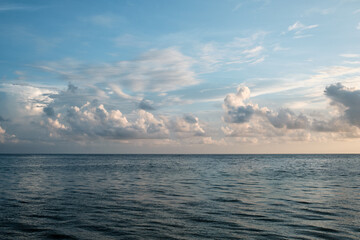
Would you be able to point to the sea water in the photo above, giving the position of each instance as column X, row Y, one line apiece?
column 179, row 196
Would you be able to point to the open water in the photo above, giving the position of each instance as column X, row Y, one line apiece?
column 179, row 196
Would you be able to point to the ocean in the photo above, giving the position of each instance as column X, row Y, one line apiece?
column 179, row 196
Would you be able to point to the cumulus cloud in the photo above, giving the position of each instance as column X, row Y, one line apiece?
column 146, row 105
column 31, row 99
column 66, row 118
column 288, row 119
column 248, row 123
column 187, row 126
column 94, row 120
column 236, row 110
column 76, row 113
column 348, row 100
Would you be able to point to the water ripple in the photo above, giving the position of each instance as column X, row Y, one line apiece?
column 179, row 196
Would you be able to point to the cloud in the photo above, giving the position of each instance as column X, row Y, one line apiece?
column 129, row 40
column 350, row 55
column 154, row 71
column 146, row 105
column 4, row 137
column 104, row 20
column 49, row 111
column 93, row 120
column 358, row 26
column 298, row 28
column 17, row 7
column 187, row 126
column 348, row 100
column 249, row 123
column 236, row 110
column 120, row 92
column 30, row 100
column 215, row 56
column 253, row 51
column 285, row 118
column 76, row 114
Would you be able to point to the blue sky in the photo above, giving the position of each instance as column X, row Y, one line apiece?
column 180, row 76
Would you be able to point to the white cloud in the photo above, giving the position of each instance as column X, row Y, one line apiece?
column 31, row 99
column 128, row 40
column 17, row 7
column 154, row 71
column 253, row 52
column 278, row 48
column 350, row 55
column 215, row 56
column 236, row 109
column 120, row 92
column 92, row 120
column 187, row 126
column 298, row 28
column 248, row 123
column 104, row 20
column 352, row 62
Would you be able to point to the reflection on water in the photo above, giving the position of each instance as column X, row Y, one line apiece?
column 179, row 196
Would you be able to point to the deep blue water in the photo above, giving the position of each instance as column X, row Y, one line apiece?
column 179, row 196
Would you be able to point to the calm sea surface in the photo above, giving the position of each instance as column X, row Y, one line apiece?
column 179, row 196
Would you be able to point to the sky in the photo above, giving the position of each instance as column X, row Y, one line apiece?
column 197, row 76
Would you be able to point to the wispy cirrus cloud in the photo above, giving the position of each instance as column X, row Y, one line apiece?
column 350, row 55
column 300, row 29
column 217, row 56
column 107, row 20
column 127, row 40
column 157, row 70
column 17, row 7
